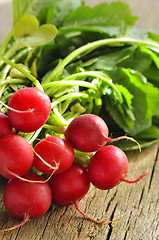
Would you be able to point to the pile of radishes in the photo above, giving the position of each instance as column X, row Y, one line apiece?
column 64, row 182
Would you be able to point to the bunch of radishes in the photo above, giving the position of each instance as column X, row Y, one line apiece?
column 28, row 195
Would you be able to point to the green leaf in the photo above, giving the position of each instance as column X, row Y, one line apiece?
column 111, row 59
column 152, row 74
column 33, row 7
column 139, row 60
column 153, row 36
column 103, row 14
column 131, row 66
column 122, row 113
column 150, row 133
column 37, row 5
column 155, row 58
column 62, row 9
column 126, row 95
column 26, row 25
column 43, row 35
column 129, row 145
column 145, row 100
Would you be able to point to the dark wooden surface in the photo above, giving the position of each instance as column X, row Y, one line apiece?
column 140, row 200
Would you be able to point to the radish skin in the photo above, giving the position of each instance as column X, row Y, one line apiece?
column 5, row 126
column 89, row 132
column 16, row 156
column 70, row 186
column 54, row 151
column 108, row 167
column 25, row 200
column 28, row 109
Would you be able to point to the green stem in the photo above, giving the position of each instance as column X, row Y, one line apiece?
column 90, row 47
column 4, row 72
column 27, row 74
column 12, row 50
column 60, row 117
column 7, row 67
column 53, row 128
column 69, row 83
column 34, row 135
column 14, row 81
column 65, row 105
column 97, row 75
column 20, row 54
column 68, row 96
column 1, row 91
column 3, row 46
column 7, row 96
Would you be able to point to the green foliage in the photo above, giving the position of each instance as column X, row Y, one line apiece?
column 101, row 15
column 26, row 25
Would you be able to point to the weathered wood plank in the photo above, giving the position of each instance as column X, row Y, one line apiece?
column 140, row 200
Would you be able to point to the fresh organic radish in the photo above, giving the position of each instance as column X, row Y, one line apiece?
column 28, row 109
column 108, row 167
column 5, row 126
column 16, row 156
column 70, row 186
column 53, row 150
column 88, row 133
column 25, row 200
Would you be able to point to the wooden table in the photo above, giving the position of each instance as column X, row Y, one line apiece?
column 140, row 200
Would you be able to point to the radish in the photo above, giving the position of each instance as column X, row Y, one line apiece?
column 28, row 109
column 16, row 156
column 53, row 150
column 5, row 126
column 70, row 186
column 25, row 200
column 88, row 133
column 108, row 167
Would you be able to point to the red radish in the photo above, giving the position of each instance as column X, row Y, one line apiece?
column 88, row 133
column 53, row 150
column 5, row 126
column 28, row 109
column 108, row 167
column 16, row 156
column 70, row 186
column 25, row 200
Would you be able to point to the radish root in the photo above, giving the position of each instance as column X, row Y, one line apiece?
column 15, row 110
column 136, row 180
column 26, row 219
column 123, row 137
column 31, row 181
column 95, row 219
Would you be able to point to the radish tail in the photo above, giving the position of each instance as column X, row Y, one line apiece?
column 136, row 180
column 26, row 219
column 15, row 110
column 123, row 137
column 95, row 219
column 31, row 181
column 46, row 163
